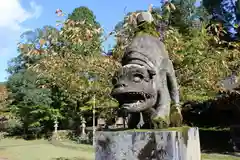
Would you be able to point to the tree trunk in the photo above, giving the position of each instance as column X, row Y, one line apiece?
column 170, row 144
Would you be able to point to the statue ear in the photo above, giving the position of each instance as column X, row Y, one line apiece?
column 151, row 73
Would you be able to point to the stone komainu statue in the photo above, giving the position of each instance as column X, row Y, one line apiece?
column 146, row 84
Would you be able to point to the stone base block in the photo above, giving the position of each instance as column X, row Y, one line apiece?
column 170, row 144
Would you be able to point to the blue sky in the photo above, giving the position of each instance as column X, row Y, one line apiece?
column 17, row 16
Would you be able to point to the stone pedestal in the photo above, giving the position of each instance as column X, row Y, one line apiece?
column 170, row 144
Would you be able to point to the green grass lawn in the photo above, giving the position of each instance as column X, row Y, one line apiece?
column 219, row 157
column 18, row 149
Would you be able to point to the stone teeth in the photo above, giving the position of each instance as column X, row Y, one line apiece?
column 136, row 103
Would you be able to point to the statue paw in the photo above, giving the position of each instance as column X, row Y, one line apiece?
column 159, row 122
column 176, row 118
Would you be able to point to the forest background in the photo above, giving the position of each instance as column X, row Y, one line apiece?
column 61, row 73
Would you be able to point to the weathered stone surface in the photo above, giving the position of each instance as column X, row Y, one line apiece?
column 174, row 144
column 146, row 83
column 144, row 17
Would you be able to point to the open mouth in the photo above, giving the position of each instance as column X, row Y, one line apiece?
column 132, row 99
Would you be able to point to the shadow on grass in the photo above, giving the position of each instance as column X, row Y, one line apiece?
column 57, row 143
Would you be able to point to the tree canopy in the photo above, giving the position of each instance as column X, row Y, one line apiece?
column 58, row 72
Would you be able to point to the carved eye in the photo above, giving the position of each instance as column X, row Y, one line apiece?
column 138, row 77
column 114, row 81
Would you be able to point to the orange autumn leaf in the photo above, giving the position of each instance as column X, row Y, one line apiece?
column 42, row 42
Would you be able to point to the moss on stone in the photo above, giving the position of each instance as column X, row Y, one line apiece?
column 183, row 130
column 175, row 116
column 178, row 129
column 185, row 134
column 146, row 28
column 160, row 122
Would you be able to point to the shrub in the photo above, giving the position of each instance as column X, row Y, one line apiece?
column 14, row 127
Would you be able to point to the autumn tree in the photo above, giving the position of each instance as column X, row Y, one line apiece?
column 84, row 14
column 30, row 97
column 3, row 99
column 78, row 73
column 227, row 14
column 183, row 15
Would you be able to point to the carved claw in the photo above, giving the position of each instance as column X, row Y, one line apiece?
column 160, row 123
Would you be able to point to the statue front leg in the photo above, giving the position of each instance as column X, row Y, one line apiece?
column 147, row 118
column 176, row 118
column 133, row 120
column 161, row 118
column 175, row 113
